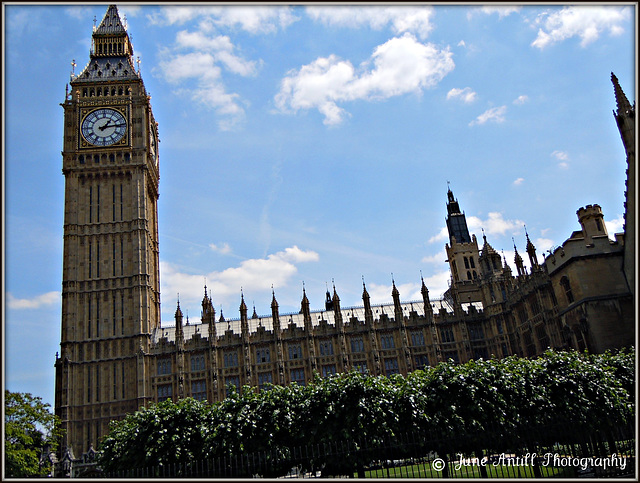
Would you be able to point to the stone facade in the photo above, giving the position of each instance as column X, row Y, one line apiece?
column 116, row 357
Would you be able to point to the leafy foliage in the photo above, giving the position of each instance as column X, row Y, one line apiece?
column 29, row 428
column 508, row 398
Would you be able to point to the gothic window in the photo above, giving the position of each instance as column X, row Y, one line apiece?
column 530, row 346
column 89, row 384
column 566, row 285
column 468, row 275
column 97, row 383
column 199, row 390
column 361, row 367
column 391, row 366
column 295, row 351
column 114, row 313
column 297, row 376
column 263, row 355
column 475, row 275
column 197, row 363
column 164, row 392
column 466, row 262
column 164, row 366
column 264, row 378
column 328, row 370
column 387, row 342
column 453, row 355
column 326, row 348
column 115, row 386
column 232, row 383
column 542, row 336
column 446, row 334
column 598, row 224
column 480, row 353
column 231, row 359
column 357, row 344
column 421, row 361
column 476, row 332
column 499, row 326
column 473, row 264
column 417, row 339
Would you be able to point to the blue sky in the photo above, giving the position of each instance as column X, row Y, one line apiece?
column 315, row 145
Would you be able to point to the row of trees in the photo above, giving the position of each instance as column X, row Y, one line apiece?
column 509, row 397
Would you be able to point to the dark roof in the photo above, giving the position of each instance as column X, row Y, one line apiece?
column 111, row 23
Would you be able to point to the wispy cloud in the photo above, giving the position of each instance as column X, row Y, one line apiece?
column 49, row 298
column 521, row 100
column 561, row 156
column 495, row 224
column 400, row 66
column 495, row 114
column 466, row 95
column 199, row 58
column 518, row 181
column 416, row 20
column 253, row 276
column 252, row 19
column 614, row 226
column 222, row 248
column 585, row 22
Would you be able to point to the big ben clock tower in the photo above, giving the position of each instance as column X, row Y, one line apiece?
column 110, row 278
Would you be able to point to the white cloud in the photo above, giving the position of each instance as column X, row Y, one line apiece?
column 521, row 100
column 223, row 248
column 467, row 95
column 563, row 157
column 416, row 20
column 199, row 72
column 439, row 257
column 614, row 226
column 518, row 181
column 495, row 114
column 585, row 22
column 500, row 10
column 442, row 235
column 252, row 19
column 381, row 294
column 49, row 298
column 495, row 224
column 401, row 65
column 253, row 276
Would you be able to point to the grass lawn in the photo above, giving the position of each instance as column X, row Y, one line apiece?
column 424, row 470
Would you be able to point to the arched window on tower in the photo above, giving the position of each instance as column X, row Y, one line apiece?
column 468, row 274
column 566, row 286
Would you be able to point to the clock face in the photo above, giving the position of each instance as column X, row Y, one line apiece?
column 104, row 127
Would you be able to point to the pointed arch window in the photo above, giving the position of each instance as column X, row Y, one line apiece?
column 566, row 286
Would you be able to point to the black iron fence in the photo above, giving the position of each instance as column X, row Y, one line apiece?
column 558, row 452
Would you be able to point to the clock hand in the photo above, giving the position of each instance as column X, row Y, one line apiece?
column 105, row 126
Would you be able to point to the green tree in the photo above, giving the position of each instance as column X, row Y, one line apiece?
column 163, row 434
column 29, row 428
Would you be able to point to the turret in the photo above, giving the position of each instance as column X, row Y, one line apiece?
column 397, row 308
column 531, row 251
column 179, row 330
column 428, row 310
column 592, row 222
column 275, row 314
column 244, row 321
column 518, row 261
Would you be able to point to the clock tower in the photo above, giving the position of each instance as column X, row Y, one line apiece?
column 110, row 277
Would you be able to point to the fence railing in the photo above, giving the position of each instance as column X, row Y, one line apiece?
column 557, row 452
